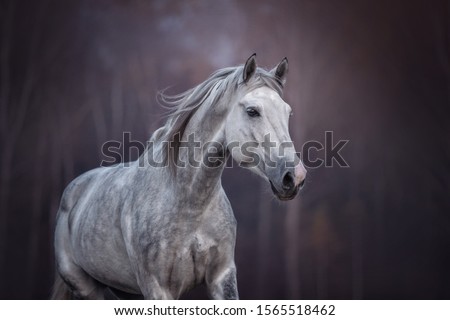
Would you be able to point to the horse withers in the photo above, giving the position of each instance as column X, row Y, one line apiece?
column 163, row 224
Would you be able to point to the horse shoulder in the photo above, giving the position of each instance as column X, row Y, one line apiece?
column 75, row 189
column 225, row 207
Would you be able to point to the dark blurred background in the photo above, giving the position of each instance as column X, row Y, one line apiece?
column 75, row 74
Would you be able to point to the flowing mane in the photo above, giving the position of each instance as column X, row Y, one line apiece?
column 184, row 105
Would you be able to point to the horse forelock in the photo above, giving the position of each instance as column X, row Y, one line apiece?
column 222, row 84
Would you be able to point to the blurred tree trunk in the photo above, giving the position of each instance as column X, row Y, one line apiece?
column 14, row 110
column 320, row 237
column 297, row 125
column 37, row 200
column 264, row 240
column 357, row 212
column 6, row 154
column 292, row 253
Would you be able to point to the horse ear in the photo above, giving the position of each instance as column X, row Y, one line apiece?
column 280, row 71
column 249, row 68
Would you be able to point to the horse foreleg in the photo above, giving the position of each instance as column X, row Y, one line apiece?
column 152, row 290
column 223, row 285
column 80, row 283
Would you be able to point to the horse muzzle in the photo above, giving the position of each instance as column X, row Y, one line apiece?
column 291, row 181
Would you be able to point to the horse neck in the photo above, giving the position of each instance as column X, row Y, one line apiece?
column 202, row 179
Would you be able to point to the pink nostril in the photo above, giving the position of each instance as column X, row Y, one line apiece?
column 300, row 174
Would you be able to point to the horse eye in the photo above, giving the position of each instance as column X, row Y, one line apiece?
column 252, row 112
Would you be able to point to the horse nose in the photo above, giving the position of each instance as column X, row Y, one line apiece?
column 302, row 183
column 288, row 181
column 300, row 175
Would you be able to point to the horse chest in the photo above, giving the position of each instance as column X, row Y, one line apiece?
column 193, row 256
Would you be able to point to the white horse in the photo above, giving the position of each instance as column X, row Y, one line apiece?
column 161, row 225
